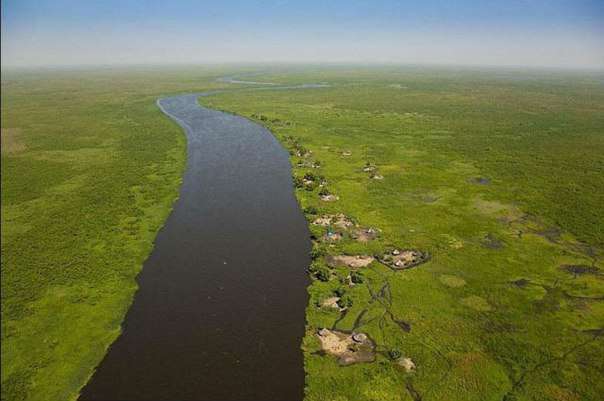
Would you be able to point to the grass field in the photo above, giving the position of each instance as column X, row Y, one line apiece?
column 499, row 176
column 90, row 169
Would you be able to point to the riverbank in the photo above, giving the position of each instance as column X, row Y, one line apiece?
column 229, row 262
column 94, row 172
column 414, row 159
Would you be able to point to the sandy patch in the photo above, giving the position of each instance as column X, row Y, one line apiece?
column 339, row 220
column 348, row 348
column 332, row 302
column 407, row 364
column 356, row 261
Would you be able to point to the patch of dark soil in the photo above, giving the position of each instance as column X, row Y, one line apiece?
column 480, row 181
column 578, row 270
column 521, row 283
column 552, row 234
column 490, row 241
column 595, row 332
column 403, row 259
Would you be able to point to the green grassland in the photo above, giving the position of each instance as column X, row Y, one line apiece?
column 499, row 175
column 90, row 169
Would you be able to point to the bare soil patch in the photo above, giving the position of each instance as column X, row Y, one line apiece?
column 332, row 302
column 521, row 282
column 365, row 234
column 480, row 181
column 349, row 348
column 340, row 224
column 339, row 220
column 407, row 364
column 404, row 259
column 354, row 262
column 578, row 270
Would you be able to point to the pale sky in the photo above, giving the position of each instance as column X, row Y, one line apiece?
column 553, row 33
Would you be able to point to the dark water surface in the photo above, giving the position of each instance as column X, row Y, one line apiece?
column 219, row 314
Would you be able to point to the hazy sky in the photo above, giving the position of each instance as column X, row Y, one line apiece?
column 567, row 33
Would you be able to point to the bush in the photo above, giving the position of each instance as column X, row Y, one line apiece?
column 356, row 277
column 345, row 301
column 324, row 192
column 340, row 291
column 298, row 183
column 311, row 210
column 310, row 176
column 316, row 252
column 394, row 354
column 321, row 273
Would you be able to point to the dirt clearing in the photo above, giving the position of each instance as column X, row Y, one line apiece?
column 348, row 348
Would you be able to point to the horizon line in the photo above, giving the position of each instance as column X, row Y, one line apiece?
column 315, row 63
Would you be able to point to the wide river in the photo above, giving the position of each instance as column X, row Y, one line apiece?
column 220, row 309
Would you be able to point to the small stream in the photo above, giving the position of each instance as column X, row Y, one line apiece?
column 220, row 309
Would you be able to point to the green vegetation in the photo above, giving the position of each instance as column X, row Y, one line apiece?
column 499, row 176
column 90, row 169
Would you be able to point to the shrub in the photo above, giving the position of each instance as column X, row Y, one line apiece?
column 345, row 301
column 394, row 354
column 316, row 252
column 298, row 183
column 356, row 277
column 311, row 210
column 340, row 291
column 320, row 272
column 324, row 192
column 310, row 176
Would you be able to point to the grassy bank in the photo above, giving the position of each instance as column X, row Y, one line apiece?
column 90, row 170
column 498, row 176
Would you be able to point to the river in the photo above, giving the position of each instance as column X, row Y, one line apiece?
column 220, row 309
